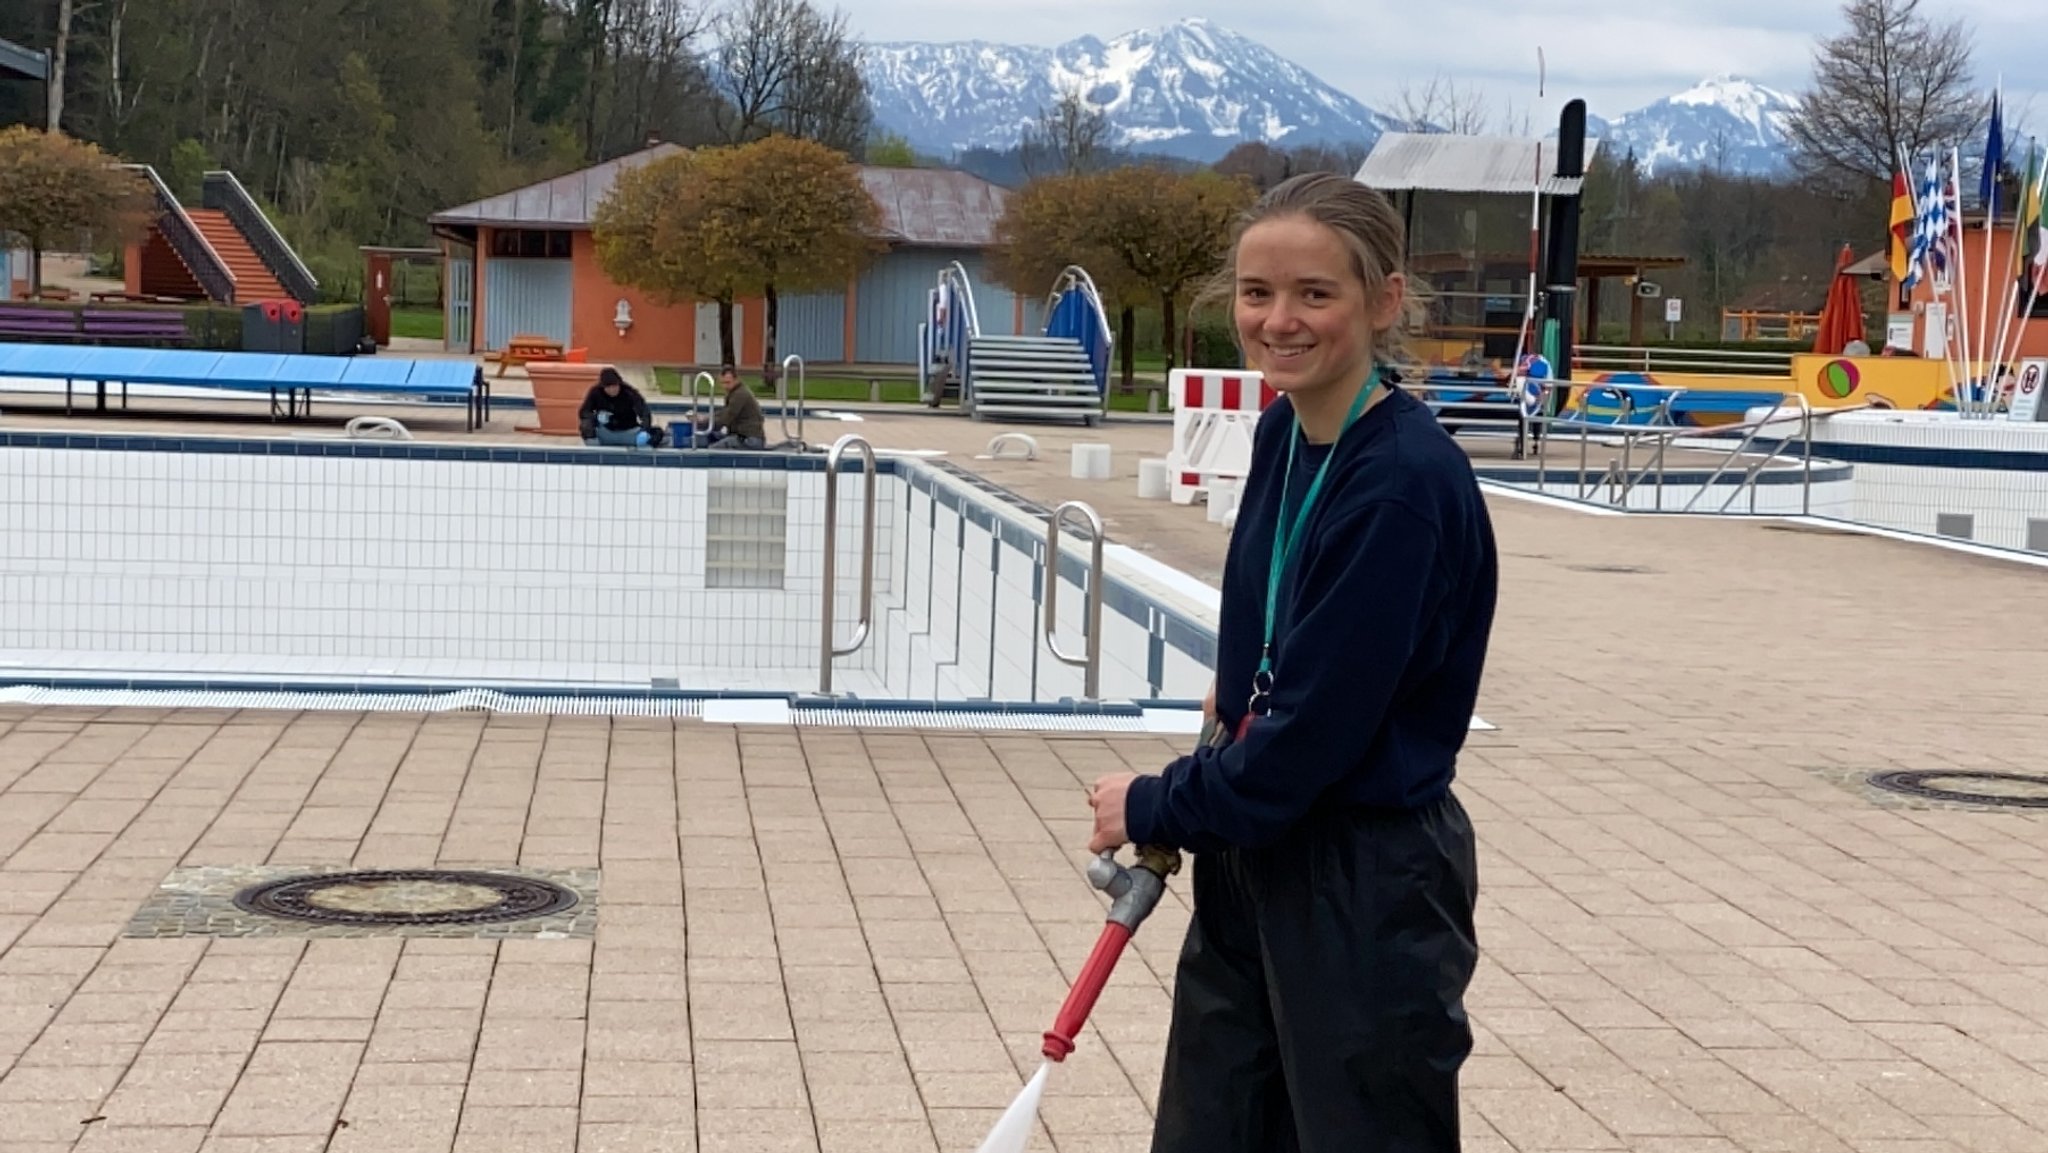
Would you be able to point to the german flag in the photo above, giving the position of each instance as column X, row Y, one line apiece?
column 1902, row 227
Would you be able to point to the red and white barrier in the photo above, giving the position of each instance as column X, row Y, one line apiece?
column 1215, row 415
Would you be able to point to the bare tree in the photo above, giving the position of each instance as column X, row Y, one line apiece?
column 1893, row 81
column 783, row 66
column 1441, row 107
column 1069, row 138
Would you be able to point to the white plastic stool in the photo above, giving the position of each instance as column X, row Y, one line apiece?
column 1223, row 496
column 1154, row 480
column 1091, row 462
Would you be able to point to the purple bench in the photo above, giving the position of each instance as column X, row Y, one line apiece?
column 127, row 324
column 38, row 322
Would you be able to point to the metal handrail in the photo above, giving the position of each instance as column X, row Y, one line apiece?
column 284, row 246
column 782, row 397
column 1091, row 662
column 710, row 393
column 169, row 202
column 826, row 649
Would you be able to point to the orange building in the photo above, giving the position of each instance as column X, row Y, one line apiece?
column 1968, row 302
column 525, row 262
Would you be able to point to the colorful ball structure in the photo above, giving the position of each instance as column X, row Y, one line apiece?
column 1839, row 378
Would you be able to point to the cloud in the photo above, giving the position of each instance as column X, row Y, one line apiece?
column 1617, row 57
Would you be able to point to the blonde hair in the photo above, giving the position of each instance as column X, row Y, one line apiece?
column 1368, row 225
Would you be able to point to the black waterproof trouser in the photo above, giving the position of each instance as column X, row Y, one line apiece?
column 1319, row 1001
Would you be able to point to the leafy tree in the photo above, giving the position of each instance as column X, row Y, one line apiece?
column 52, row 186
column 890, row 150
column 791, row 215
column 1893, row 81
column 1168, row 231
column 656, row 231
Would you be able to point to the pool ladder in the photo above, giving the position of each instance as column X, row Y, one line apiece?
column 1090, row 661
column 827, row 650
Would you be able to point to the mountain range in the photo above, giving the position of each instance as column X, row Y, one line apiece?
column 1194, row 89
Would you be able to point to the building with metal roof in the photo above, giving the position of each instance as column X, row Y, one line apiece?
column 524, row 262
column 1480, row 296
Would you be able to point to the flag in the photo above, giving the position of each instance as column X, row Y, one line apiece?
column 1994, row 159
column 1902, row 219
column 2031, row 255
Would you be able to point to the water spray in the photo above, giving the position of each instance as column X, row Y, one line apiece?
column 1134, row 891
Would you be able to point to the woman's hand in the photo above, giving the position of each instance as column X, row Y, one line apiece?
column 1107, row 799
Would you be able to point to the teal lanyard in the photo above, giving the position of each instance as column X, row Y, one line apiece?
column 1286, row 537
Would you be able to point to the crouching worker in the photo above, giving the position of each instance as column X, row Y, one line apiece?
column 739, row 422
column 614, row 413
column 1318, row 1006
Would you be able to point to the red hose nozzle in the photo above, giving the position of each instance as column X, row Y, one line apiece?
column 1059, row 1041
column 1134, row 893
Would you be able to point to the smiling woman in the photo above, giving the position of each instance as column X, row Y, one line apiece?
column 1319, row 1000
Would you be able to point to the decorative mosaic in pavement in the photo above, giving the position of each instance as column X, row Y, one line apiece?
column 337, row 901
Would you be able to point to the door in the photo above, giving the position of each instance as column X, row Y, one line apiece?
column 377, row 296
column 526, row 296
column 709, row 351
column 457, row 294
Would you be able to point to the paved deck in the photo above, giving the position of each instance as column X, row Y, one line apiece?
column 1704, row 933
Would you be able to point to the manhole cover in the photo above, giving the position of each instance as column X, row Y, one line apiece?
column 2011, row 790
column 406, row 897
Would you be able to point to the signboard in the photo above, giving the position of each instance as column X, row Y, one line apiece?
column 2026, row 394
column 1674, row 310
column 1934, row 331
column 1898, row 331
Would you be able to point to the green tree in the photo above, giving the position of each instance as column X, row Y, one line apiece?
column 53, row 187
column 1168, row 231
column 656, row 231
column 792, row 215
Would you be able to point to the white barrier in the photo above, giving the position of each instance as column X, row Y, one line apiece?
column 1215, row 414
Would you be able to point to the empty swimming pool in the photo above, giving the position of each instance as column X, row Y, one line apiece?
column 323, row 563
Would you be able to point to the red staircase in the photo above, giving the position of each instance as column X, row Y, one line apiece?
column 253, row 279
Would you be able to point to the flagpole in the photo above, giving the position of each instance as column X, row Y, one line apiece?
column 2010, row 296
column 1994, row 149
column 1959, row 277
column 2039, row 264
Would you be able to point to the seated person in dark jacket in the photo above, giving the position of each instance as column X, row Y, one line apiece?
column 739, row 422
column 614, row 413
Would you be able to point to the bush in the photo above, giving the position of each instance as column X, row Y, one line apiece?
column 1213, row 346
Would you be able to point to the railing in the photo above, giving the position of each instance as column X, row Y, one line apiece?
column 1717, row 361
column 222, row 192
column 951, row 324
column 188, row 242
column 1090, row 662
column 826, row 649
column 1072, row 322
column 709, row 404
column 782, row 399
column 1620, row 478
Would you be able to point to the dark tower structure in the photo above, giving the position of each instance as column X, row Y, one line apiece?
column 1561, row 261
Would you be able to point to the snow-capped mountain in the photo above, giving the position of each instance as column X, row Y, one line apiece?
column 1725, row 122
column 1191, row 88
column 1195, row 89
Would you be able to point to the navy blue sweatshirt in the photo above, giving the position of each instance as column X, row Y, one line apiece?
column 1380, row 637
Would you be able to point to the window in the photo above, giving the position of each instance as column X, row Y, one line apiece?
column 530, row 242
column 746, row 527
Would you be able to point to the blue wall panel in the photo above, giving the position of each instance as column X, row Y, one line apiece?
column 813, row 326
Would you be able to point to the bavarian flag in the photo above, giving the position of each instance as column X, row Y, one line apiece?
column 1902, row 226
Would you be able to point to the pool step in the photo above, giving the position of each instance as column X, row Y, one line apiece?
column 1035, row 377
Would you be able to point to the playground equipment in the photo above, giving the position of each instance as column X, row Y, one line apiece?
column 1060, row 374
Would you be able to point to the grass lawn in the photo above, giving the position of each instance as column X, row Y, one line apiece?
column 418, row 323
column 845, row 390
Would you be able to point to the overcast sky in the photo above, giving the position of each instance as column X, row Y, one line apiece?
column 1616, row 54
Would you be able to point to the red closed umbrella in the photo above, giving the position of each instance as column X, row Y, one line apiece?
column 1841, row 318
